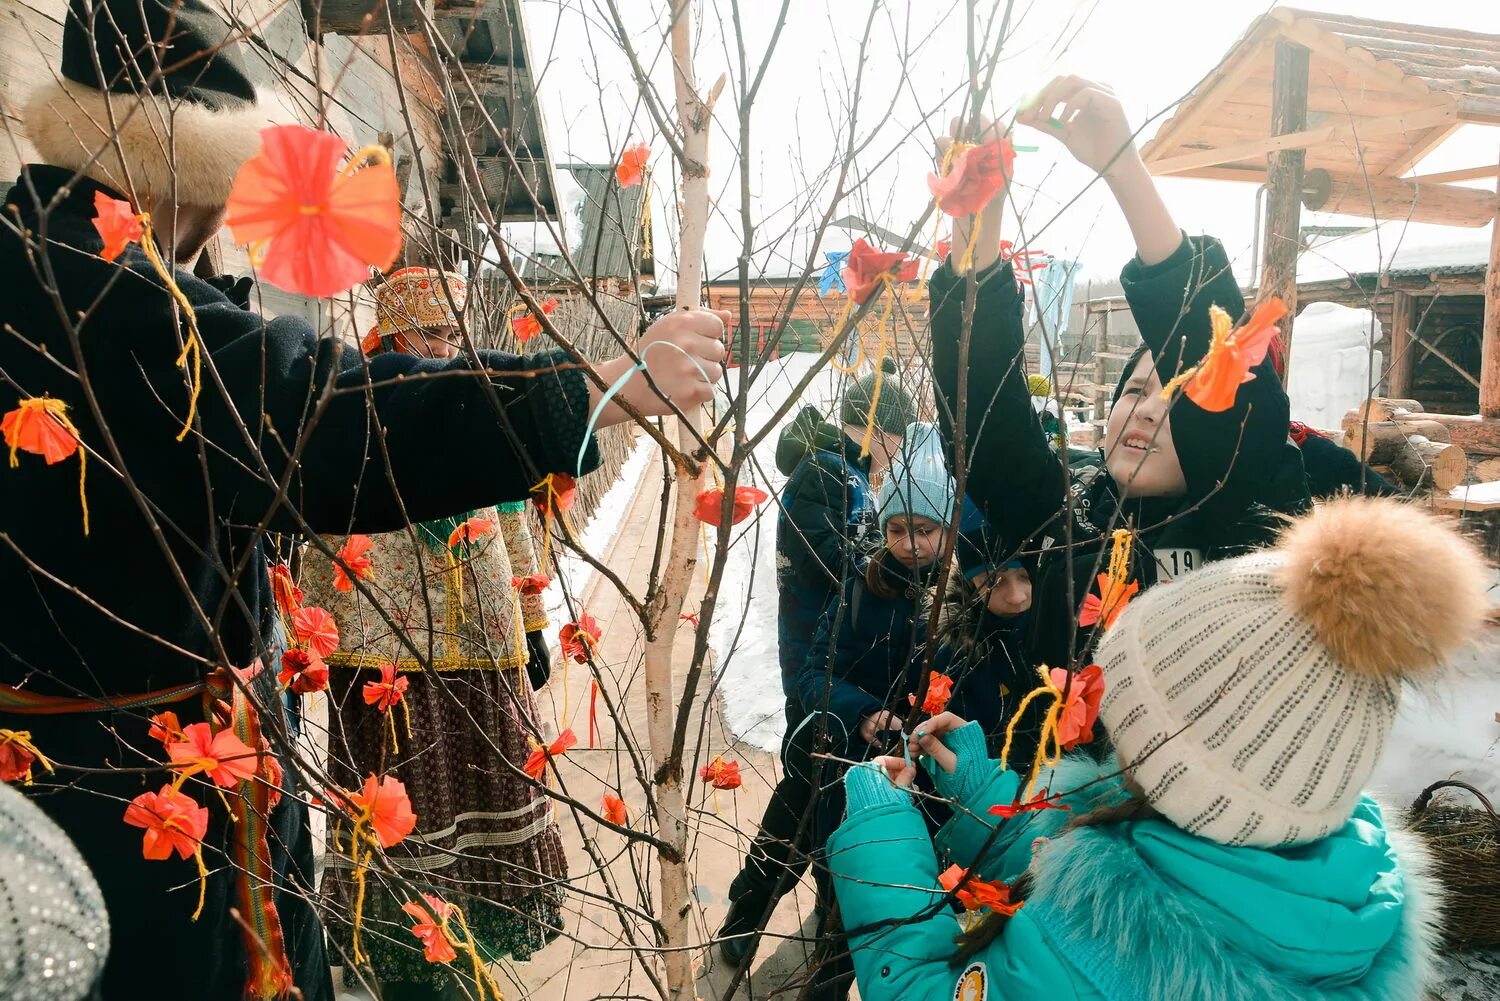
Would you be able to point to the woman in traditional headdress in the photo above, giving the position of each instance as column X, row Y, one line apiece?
column 430, row 684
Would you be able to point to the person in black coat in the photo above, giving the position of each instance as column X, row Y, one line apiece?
column 1185, row 482
column 293, row 434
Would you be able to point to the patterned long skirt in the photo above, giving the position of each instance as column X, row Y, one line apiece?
column 486, row 838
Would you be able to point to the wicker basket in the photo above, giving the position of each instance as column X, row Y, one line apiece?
column 1465, row 844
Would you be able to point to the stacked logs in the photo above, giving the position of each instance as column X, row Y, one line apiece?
column 1403, row 442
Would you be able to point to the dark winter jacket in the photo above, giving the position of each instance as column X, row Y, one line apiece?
column 293, row 434
column 983, row 654
column 1333, row 470
column 827, row 511
column 1021, row 485
column 868, row 648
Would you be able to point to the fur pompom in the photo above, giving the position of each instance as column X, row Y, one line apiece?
column 1390, row 589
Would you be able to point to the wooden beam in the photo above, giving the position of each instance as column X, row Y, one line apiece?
column 1283, row 225
column 1360, row 61
column 1465, row 174
column 1386, row 198
column 1252, row 175
column 1406, row 121
column 1489, row 364
column 1398, row 379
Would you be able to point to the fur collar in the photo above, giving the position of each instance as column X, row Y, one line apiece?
column 1099, row 893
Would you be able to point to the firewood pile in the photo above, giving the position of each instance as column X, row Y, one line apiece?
column 1422, row 450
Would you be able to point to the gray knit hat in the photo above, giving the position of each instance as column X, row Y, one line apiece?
column 893, row 410
column 1250, row 699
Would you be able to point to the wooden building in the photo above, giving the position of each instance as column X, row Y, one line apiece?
column 780, row 324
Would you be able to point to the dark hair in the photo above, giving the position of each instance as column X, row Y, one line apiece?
column 979, row 937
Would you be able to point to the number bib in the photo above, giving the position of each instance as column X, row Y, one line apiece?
column 1173, row 562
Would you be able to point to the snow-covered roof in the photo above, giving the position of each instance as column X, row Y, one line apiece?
column 1395, row 247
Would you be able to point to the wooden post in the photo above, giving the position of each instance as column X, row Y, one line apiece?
column 1489, row 365
column 1398, row 382
column 1283, row 222
column 1101, row 373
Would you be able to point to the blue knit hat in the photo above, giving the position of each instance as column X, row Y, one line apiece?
column 918, row 483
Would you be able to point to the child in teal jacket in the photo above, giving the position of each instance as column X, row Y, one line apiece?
column 1224, row 848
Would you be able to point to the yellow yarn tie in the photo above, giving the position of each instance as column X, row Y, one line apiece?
column 1121, row 543
column 360, row 863
column 1222, row 324
column 456, row 584
column 1048, row 747
column 890, row 302
column 58, row 411
column 22, row 739
column 192, row 347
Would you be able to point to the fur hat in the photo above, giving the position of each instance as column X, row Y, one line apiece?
column 413, row 299
column 1251, row 699
column 184, row 127
column 918, row 483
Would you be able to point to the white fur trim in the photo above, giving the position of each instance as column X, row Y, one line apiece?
column 199, row 149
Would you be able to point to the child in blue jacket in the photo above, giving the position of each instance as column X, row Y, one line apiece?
column 1225, row 849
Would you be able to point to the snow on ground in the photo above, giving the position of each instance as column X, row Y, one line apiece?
column 743, row 632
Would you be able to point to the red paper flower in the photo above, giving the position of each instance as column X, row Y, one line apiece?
column 386, row 692
column 974, row 178
column 1075, row 724
column 385, row 805
column 1215, row 382
column 1107, row 605
column 631, row 169
column 536, row 762
column 118, row 224
column 1038, row 802
column 40, row 426
column 315, row 627
column 528, row 326
column 944, row 247
column 222, row 756
column 318, row 229
column 288, row 595
column 711, row 503
column 271, row 775
column 165, row 727
column 471, row 531
column 352, row 555
column 555, row 494
column 16, row 758
column 721, row 774
column 614, row 810
column 579, row 639
column 534, row 583
column 865, row 266
column 303, row 672
column 976, row 894
column 173, row 822
column 430, row 928
column 939, row 691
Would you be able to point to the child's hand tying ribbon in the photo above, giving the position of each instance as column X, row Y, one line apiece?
column 684, row 376
column 901, row 772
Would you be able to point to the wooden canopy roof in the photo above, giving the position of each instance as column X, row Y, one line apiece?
column 1380, row 97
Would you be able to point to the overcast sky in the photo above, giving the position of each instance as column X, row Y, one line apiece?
column 1151, row 51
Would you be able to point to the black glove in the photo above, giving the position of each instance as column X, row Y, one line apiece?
column 539, row 667
column 236, row 290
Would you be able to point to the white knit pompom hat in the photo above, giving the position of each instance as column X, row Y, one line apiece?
column 1250, row 699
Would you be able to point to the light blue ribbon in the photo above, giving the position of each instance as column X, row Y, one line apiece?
column 618, row 385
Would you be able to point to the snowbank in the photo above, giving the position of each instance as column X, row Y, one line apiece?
column 1331, row 363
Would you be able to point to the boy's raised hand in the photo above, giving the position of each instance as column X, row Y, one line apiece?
column 1091, row 123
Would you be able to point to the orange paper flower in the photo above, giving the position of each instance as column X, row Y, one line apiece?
column 431, row 929
column 939, row 691
column 40, row 426
column 383, row 804
column 1037, row 802
column 631, row 169
column 976, row 894
column 528, row 326
column 711, row 503
column 1075, row 723
column 118, row 224
column 17, row 755
column 222, row 756
column 316, row 228
column 614, row 810
column 165, row 727
column 1106, row 606
column 1215, row 382
column 721, row 774
column 555, row 494
column 579, row 639
column 536, row 763
column 974, row 177
column 173, row 822
column 315, row 627
column 303, row 672
column 288, row 595
column 352, row 555
column 533, row 583
column 866, row 268
column 471, row 531
column 385, row 693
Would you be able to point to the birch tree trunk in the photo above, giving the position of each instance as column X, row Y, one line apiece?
column 693, row 116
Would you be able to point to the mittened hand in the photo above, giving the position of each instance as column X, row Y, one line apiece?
column 236, row 290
